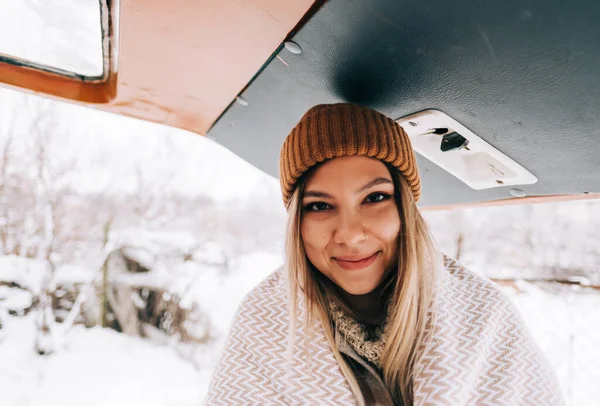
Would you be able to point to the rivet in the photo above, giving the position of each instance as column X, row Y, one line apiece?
column 517, row 193
column 241, row 101
column 293, row 47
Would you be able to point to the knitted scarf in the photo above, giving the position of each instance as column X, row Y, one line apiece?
column 367, row 341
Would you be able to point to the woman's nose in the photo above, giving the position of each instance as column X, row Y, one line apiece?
column 350, row 230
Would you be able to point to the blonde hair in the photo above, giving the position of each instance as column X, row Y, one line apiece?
column 411, row 299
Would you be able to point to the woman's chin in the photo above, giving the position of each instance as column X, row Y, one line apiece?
column 359, row 283
column 356, row 289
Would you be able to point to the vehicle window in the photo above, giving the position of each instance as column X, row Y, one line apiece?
column 59, row 34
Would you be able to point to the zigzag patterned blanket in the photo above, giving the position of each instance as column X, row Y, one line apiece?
column 478, row 352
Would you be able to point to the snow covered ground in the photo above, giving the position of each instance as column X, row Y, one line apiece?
column 96, row 367
column 566, row 325
column 100, row 366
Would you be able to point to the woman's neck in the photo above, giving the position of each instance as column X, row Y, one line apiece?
column 369, row 308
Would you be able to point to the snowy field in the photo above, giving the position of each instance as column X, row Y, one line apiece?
column 98, row 366
column 566, row 325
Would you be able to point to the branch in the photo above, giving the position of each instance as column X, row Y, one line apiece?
column 75, row 310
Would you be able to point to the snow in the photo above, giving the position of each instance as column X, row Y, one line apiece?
column 69, row 274
column 219, row 296
column 25, row 272
column 123, row 370
column 15, row 299
column 30, row 273
column 120, row 370
column 141, row 255
column 566, row 325
column 217, row 293
column 153, row 242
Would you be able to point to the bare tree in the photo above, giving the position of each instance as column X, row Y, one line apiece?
column 33, row 185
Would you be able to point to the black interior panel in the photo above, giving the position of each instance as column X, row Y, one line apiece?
column 523, row 75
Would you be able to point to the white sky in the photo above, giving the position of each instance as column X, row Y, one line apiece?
column 107, row 150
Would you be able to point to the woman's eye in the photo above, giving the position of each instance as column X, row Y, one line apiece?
column 316, row 206
column 377, row 197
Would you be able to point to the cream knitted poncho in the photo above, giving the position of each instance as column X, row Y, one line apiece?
column 477, row 352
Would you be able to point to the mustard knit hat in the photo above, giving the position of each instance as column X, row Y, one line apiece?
column 333, row 130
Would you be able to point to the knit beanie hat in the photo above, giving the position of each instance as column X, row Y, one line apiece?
column 334, row 130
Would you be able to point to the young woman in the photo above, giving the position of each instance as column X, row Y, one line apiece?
column 365, row 311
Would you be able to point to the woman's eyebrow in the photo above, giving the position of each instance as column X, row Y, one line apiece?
column 314, row 193
column 374, row 182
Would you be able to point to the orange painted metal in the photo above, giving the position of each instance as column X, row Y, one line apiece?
column 181, row 63
column 48, row 83
column 514, row 201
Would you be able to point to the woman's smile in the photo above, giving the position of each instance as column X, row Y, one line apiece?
column 356, row 262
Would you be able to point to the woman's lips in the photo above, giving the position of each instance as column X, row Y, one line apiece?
column 349, row 264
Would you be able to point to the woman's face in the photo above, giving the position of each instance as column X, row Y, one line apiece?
column 350, row 223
